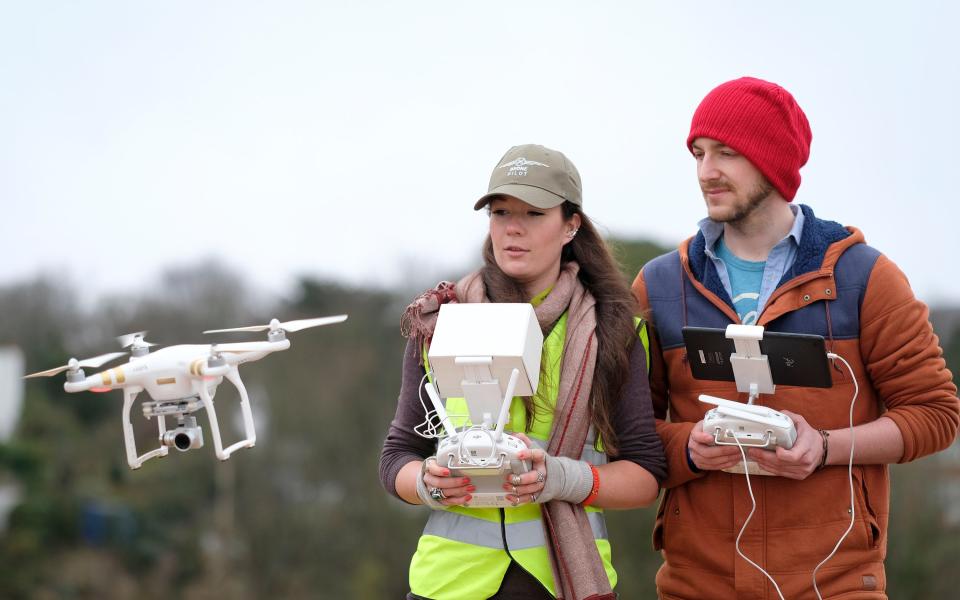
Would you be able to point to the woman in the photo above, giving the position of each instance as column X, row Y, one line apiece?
column 603, row 451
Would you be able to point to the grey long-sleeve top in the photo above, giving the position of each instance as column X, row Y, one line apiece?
column 632, row 420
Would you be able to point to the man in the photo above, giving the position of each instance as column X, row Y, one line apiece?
column 759, row 259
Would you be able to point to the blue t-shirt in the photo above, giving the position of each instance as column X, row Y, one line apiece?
column 778, row 262
column 745, row 279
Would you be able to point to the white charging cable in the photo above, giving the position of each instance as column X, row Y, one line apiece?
column 437, row 422
column 746, row 472
column 428, row 429
column 433, row 428
column 856, row 392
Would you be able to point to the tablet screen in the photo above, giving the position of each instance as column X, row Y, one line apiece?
column 795, row 358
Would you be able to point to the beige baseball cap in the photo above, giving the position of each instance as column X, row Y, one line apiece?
column 535, row 174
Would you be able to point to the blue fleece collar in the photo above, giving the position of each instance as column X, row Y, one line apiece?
column 816, row 237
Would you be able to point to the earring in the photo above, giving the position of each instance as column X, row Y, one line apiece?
column 572, row 232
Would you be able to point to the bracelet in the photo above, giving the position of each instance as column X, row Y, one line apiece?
column 823, row 459
column 693, row 466
column 593, row 490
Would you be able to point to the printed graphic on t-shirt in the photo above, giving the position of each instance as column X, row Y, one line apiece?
column 746, row 307
column 745, row 277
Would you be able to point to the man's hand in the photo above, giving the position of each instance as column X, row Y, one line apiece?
column 706, row 455
column 797, row 462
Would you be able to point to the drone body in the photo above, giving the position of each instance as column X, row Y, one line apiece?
column 181, row 380
column 175, row 372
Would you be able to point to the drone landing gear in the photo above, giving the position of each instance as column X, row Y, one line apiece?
column 135, row 462
column 233, row 376
column 187, row 435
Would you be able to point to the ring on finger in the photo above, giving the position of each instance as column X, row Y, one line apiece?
column 515, row 480
column 533, row 498
column 437, row 494
column 541, row 476
column 514, row 490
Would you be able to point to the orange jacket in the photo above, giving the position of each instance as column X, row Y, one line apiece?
column 862, row 304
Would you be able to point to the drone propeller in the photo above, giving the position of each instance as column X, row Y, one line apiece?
column 134, row 339
column 75, row 364
column 290, row 326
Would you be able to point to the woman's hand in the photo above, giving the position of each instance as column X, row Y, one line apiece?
column 437, row 487
column 528, row 487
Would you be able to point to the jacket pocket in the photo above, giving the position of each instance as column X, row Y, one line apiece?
column 871, row 525
column 658, row 524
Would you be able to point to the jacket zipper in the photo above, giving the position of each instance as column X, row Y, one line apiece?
column 727, row 310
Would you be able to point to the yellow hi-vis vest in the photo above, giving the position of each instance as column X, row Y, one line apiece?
column 464, row 553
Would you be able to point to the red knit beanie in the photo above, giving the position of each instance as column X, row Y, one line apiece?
column 762, row 121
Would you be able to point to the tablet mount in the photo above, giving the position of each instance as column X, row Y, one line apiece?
column 738, row 424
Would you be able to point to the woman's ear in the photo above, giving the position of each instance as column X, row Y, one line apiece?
column 571, row 228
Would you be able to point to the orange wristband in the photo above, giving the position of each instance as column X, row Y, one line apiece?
column 595, row 489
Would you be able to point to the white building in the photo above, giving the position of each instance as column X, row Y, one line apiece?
column 11, row 404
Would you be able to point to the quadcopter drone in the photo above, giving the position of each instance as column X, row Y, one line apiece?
column 181, row 380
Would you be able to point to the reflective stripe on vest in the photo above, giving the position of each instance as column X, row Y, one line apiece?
column 589, row 452
column 592, row 455
column 479, row 532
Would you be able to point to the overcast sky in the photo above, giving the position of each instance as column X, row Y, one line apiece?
column 350, row 139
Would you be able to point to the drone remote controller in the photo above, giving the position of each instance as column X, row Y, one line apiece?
column 753, row 426
column 484, row 454
column 474, row 453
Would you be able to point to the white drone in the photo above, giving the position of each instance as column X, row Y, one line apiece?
column 181, row 380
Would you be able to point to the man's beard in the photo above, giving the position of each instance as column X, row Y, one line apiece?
column 755, row 198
